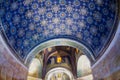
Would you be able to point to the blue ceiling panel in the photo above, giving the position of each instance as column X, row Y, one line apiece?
column 27, row 23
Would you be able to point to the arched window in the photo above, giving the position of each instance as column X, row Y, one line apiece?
column 84, row 68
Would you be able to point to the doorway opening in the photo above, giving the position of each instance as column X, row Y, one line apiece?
column 52, row 64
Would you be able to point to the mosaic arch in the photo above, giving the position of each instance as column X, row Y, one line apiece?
column 59, row 73
column 28, row 23
column 59, row 42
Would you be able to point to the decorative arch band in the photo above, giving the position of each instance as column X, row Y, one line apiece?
column 59, row 42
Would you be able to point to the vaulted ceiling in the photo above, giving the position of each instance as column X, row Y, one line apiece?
column 28, row 23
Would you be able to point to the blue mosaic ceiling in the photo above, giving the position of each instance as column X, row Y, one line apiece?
column 27, row 23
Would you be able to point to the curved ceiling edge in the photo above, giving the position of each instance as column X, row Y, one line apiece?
column 11, row 51
column 112, row 33
column 5, row 38
column 59, row 42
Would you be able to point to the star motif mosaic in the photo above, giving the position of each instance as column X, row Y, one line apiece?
column 28, row 23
